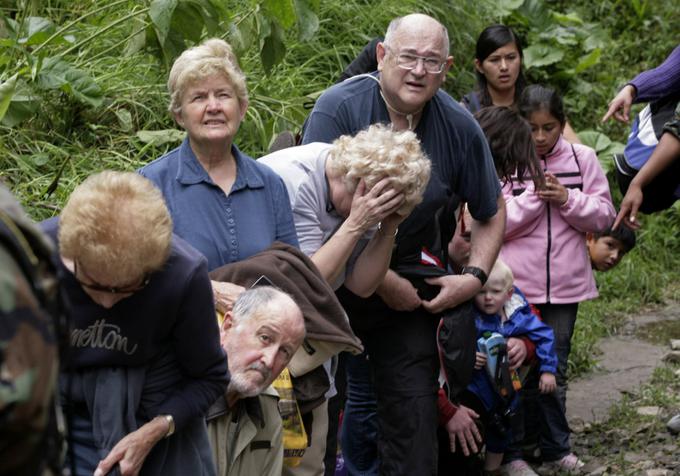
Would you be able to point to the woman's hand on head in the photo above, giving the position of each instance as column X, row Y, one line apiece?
column 372, row 206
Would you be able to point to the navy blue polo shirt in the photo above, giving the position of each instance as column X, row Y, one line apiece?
column 453, row 141
column 224, row 228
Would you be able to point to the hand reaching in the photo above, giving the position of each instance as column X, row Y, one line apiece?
column 629, row 208
column 619, row 107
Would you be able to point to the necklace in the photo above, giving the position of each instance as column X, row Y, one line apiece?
column 409, row 117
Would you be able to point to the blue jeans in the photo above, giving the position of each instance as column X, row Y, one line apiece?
column 554, row 433
column 359, row 433
column 81, row 445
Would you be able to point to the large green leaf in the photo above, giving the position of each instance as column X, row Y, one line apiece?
column 58, row 74
column 273, row 49
column 243, row 35
column 83, row 87
column 504, row 8
column 188, row 22
column 6, row 94
column 596, row 140
column 137, row 41
column 283, row 11
column 38, row 29
column 567, row 19
column 597, row 38
column 603, row 145
column 160, row 12
column 591, row 59
column 21, row 108
column 166, row 136
column 542, row 55
column 308, row 22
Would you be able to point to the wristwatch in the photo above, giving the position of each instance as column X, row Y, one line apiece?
column 476, row 272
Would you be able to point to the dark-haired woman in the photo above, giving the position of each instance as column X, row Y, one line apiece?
column 500, row 73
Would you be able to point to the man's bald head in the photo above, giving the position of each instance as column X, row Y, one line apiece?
column 416, row 22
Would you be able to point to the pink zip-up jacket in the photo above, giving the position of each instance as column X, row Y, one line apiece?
column 544, row 243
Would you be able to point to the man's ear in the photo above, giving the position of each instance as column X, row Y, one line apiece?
column 228, row 321
column 380, row 52
column 445, row 71
column 590, row 237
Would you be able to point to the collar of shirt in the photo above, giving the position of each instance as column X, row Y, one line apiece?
column 190, row 171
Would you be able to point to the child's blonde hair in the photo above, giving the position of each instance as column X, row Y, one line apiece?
column 501, row 272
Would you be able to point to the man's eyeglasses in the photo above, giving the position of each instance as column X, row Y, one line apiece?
column 409, row 61
column 110, row 289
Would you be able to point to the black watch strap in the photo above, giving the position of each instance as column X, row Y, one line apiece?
column 476, row 272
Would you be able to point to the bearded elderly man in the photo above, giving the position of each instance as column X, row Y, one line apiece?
column 412, row 64
column 260, row 335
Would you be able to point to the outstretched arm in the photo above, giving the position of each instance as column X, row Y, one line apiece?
column 666, row 152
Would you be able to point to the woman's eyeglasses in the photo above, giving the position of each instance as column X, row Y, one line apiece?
column 110, row 289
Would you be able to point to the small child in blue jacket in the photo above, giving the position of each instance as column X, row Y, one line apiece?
column 502, row 308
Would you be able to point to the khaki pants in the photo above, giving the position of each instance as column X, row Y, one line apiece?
column 312, row 461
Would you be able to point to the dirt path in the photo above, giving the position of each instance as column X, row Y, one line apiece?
column 636, row 446
column 625, row 363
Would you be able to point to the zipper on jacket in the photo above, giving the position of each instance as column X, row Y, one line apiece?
column 547, row 260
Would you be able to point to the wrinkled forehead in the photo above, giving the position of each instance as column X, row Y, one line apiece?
column 281, row 318
column 425, row 40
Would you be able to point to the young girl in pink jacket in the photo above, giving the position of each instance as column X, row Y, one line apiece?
column 545, row 245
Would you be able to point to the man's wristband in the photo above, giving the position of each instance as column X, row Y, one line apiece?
column 476, row 272
column 171, row 425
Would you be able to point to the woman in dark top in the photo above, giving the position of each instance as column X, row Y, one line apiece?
column 500, row 73
column 498, row 67
column 145, row 360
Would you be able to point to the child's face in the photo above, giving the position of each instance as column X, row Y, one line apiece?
column 545, row 129
column 605, row 252
column 493, row 296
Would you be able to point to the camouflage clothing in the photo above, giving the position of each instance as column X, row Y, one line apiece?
column 673, row 126
column 28, row 348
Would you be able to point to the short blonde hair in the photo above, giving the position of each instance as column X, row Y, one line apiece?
column 210, row 58
column 502, row 272
column 118, row 222
column 379, row 152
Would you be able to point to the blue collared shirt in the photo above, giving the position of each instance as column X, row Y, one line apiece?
column 225, row 228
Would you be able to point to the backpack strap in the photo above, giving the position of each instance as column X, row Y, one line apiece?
column 578, row 164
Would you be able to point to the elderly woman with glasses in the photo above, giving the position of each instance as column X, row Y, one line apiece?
column 222, row 202
column 145, row 361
